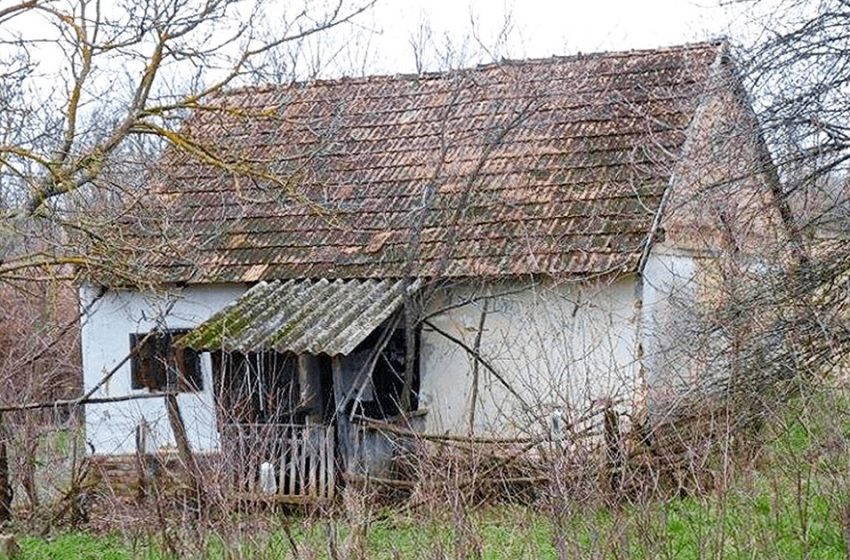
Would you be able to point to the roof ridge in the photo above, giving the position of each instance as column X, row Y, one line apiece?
column 699, row 45
column 718, row 43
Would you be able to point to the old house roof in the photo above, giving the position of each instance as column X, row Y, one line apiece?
column 554, row 166
column 301, row 316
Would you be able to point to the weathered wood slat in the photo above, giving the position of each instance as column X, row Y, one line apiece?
column 293, row 464
column 329, row 461
column 302, row 456
column 323, row 481
column 281, row 468
column 315, row 461
column 304, row 444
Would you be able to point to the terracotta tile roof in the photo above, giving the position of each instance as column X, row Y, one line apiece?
column 553, row 166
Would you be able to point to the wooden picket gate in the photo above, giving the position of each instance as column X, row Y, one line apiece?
column 301, row 459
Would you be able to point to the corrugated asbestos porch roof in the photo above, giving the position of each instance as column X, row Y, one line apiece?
column 301, row 316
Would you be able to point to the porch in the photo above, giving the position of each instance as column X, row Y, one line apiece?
column 293, row 363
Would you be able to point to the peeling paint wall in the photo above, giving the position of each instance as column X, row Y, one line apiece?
column 671, row 285
column 105, row 339
column 693, row 331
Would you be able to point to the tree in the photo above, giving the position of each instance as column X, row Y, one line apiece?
column 92, row 91
column 797, row 69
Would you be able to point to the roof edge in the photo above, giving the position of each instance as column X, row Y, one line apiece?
column 720, row 59
column 721, row 43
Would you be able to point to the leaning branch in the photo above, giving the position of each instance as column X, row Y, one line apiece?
column 82, row 401
column 472, row 352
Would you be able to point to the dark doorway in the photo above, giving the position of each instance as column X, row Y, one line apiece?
column 256, row 388
column 384, row 398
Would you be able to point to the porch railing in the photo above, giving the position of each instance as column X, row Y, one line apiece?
column 286, row 462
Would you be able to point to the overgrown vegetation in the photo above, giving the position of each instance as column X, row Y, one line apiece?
column 785, row 498
column 776, row 485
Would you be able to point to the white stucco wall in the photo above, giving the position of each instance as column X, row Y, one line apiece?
column 684, row 352
column 105, row 339
column 559, row 345
column 670, row 285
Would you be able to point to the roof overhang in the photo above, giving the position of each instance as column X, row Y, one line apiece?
column 301, row 316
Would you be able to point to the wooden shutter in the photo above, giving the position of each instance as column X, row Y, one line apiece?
column 146, row 367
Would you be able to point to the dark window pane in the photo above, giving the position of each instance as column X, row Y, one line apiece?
column 187, row 364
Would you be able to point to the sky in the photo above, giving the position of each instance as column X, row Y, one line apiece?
column 451, row 34
column 457, row 33
column 538, row 28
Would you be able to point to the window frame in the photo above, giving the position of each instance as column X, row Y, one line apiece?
column 165, row 373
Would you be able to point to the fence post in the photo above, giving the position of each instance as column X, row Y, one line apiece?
column 142, row 460
column 6, row 492
column 614, row 451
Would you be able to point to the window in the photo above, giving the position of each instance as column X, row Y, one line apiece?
column 160, row 366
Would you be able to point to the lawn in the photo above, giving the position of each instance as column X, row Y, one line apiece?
column 742, row 527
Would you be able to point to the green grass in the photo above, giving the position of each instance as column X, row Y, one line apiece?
column 502, row 532
column 682, row 529
column 82, row 546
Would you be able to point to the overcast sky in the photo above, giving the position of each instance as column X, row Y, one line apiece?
column 459, row 33
column 469, row 31
column 539, row 27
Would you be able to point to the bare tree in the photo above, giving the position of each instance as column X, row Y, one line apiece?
column 794, row 63
column 92, row 89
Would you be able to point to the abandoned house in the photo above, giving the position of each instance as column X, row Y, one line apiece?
column 493, row 250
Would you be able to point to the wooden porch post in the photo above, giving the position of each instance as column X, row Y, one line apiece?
column 310, row 384
column 343, row 424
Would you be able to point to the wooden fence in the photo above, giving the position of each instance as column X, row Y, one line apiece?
column 281, row 462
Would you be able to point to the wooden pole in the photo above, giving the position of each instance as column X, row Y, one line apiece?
column 310, row 385
column 6, row 492
column 142, row 460
column 178, row 428
column 410, row 317
column 344, row 429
